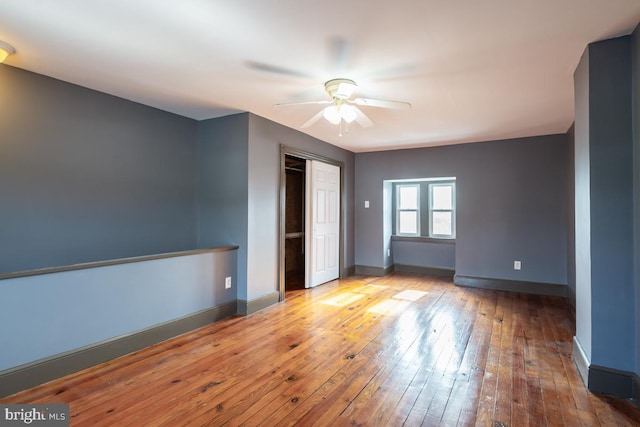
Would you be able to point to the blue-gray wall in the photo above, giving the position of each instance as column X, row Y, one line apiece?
column 635, row 83
column 222, row 188
column 571, row 223
column 424, row 254
column 605, row 206
column 51, row 314
column 86, row 176
column 582, row 209
column 611, row 183
column 511, row 205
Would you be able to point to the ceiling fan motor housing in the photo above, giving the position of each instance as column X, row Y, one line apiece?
column 340, row 89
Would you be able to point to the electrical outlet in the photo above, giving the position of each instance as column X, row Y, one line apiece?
column 517, row 265
column 227, row 283
column 366, row 204
column 388, row 252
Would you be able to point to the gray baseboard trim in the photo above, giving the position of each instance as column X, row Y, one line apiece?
column 41, row 371
column 431, row 271
column 247, row 307
column 599, row 379
column 349, row 271
column 365, row 270
column 613, row 382
column 571, row 297
column 550, row 289
column 581, row 361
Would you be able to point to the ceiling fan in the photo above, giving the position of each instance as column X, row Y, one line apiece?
column 342, row 108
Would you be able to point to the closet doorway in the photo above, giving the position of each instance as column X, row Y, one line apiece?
column 294, row 238
column 311, row 217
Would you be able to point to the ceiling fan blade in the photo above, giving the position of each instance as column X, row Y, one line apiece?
column 362, row 118
column 382, row 103
column 339, row 54
column 286, row 104
column 269, row 68
column 312, row 120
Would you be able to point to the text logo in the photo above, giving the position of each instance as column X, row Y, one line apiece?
column 34, row 415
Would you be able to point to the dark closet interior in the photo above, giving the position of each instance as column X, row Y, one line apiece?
column 295, row 169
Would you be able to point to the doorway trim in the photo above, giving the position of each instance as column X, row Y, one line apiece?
column 285, row 151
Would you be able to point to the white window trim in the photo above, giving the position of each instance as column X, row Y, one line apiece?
column 452, row 210
column 417, row 210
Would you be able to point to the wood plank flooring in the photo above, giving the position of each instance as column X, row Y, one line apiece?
column 399, row 350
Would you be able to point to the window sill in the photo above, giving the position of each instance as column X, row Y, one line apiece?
column 422, row 239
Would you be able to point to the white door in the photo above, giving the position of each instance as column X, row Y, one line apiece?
column 323, row 231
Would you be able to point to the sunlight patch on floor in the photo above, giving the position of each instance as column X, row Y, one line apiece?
column 389, row 306
column 447, row 342
column 398, row 303
column 370, row 289
column 343, row 299
column 410, row 295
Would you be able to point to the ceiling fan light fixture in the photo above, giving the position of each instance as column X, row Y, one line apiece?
column 342, row 108
column 348, row 113
column 5, row 50
column 332, row 114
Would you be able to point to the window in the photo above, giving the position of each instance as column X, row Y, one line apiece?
column 425, row 208
column 441, row 211
column 408, row 212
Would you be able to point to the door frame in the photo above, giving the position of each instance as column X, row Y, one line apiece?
column 301, row 154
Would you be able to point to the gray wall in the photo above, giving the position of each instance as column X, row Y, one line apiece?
column 611, row 184
column 511, row 204
column 55, row 313
column 423, row 254
column 86, row 176
column 571, row 223
column 265, row 138
column 635, row 83
column 582, row 206
column 222, row 188
column 606, row 284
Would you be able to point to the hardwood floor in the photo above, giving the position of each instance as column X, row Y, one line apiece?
column 400, row 350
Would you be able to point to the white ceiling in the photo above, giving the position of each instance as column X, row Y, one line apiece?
column 473, row 70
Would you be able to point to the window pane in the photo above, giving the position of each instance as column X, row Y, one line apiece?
column 441, row 223
column 442, row 197
column 408, row 222
column 408, row 197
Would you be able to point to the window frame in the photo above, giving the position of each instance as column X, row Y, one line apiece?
column 398, row 209
column 452, row 210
